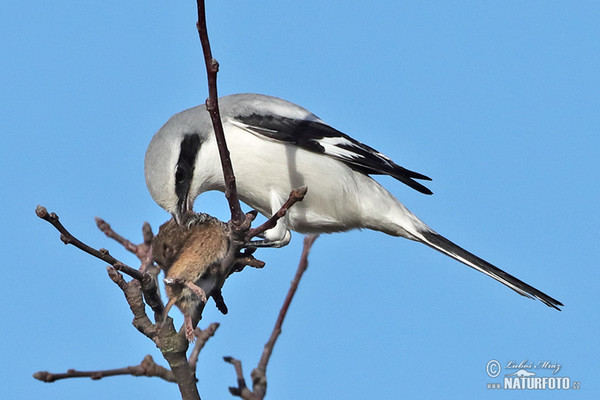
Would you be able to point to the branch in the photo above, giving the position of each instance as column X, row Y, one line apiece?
column 146, row 368
column 173, row 346
column 212, row 106
column 302, row 266
column 102, row 254
column 142, row 251
column 171, row 343
column 259, row 378
column 148, row 280
column 202, row 336
column 133, row 294
column 242, row 389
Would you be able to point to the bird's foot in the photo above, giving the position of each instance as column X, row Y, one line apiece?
column 193, row 219
column 272, row 238
column 267, row 243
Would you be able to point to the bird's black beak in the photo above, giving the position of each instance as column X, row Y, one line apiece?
column 178, row 217
column 183, row 208
column 184, row 174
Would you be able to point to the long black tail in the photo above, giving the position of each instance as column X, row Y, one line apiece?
column 445, row 246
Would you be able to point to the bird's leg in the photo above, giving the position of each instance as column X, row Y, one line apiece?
column 279, row 235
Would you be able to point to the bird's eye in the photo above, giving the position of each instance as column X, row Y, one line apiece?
column 180, row 175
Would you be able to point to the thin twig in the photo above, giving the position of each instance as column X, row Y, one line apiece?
column 259, row 378
column 172, row 344
column 68, row 238
column 302, row 266
column 146, row 368
column 108, row 231
column 143, row 251
column 212, row 105
column 148, row 281
column 242, row 389
column 202, row 336
column 133, row 294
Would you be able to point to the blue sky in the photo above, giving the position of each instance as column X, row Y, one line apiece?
column 497, row 101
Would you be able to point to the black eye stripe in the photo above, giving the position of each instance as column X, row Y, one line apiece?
column 190, row 145
column 188, row 150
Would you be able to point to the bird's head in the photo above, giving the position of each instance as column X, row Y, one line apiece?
column 171, row 161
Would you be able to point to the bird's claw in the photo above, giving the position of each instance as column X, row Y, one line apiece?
column 267, row 243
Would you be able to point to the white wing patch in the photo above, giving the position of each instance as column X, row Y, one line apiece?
column 343, row 148
column 338, row 147
column 331, row 146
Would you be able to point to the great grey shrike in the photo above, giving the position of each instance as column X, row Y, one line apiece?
column 277, row 146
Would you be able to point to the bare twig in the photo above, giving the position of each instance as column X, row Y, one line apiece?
column 146, row 368
column 202, row 336
column 151, row 292
column 143, row 251
column 108, row 231
column 172, row 344
column 240, row 222
column 148, row 281
column 302, row 266
column 102, row 254
column 133, row 294
column 149, row 270
column 250, row 261
column 242, row 389
column 259, row 378
column 212, row 105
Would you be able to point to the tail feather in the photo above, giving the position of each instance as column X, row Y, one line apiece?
column 445, row 246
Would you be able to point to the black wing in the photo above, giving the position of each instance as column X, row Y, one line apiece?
column 321, row 138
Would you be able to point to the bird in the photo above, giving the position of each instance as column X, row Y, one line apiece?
column 276, row 146
column 187, row 253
